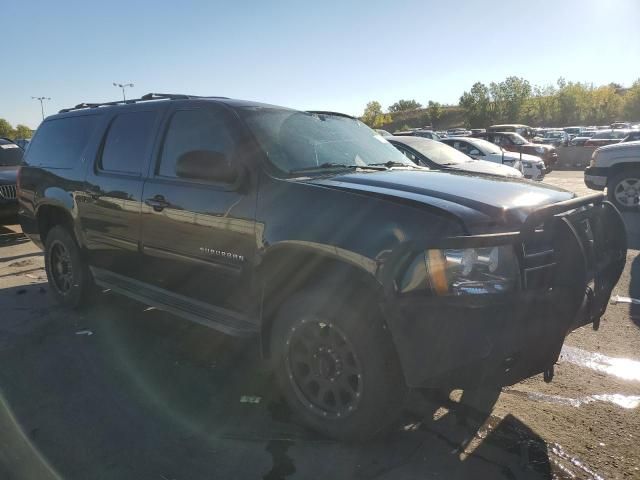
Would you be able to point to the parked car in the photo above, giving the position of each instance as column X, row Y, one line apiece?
column 581, row 139
column 426, row 134
column 573, row 131
column 633, row 136
column 438, row 156
column 10, row 160
column 557, row 138
column 516, row 143
column 523, row 130
column 22, row 142
column 616, row 167
column 606, row 137
column 477, row 130
column 531, row 166
column 458, row 132
column 622, row 125
column 359, row 274
column 384, row 133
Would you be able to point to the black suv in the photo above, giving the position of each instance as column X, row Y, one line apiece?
column 10, row 159
column 361, row 273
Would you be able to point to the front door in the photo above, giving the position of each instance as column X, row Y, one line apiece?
column 198, row 234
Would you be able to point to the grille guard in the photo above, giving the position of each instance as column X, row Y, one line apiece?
column 588, row 252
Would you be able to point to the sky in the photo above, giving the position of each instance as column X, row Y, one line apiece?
column 322, row 54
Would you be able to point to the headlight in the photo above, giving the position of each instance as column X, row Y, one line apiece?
column 472, row 271
column 594, row 156
column 540, row 149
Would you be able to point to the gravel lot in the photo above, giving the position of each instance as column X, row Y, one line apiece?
column 120, row 391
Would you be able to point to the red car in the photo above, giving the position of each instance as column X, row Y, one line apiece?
column 517, row 143
column 607, row 137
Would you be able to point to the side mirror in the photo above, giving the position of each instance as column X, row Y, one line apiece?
column 475, row 152
column 205, row 165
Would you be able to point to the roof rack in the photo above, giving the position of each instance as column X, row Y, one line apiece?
column 145, row 98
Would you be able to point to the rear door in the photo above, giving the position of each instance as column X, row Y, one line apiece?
column 198, row 235
column 111, row 211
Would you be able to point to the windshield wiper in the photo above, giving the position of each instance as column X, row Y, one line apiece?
column 391, row 163
column 335, row 166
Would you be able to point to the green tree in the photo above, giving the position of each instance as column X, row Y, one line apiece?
column 404, row 106
column 631, row 108
column 22, row 131
column 6, row 130
column 435, row 112
column 371, row 111
column 374, row 116
column 476, row 104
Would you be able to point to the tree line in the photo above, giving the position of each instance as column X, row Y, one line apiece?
column 515, row 100
column 7, row 131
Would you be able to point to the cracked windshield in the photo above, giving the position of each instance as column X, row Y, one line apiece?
column 320, row 240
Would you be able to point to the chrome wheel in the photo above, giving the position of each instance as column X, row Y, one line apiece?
column 61, row 268
column 627, row 192
column 323, row 369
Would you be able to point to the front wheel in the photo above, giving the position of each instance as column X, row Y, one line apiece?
column 67, row 273
column 337, row 366
column 623, row 190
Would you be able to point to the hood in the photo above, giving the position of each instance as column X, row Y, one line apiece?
column 490, row 168
column 8, row 175
column 477, row 200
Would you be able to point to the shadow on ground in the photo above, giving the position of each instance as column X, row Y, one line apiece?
column 10, row 237
column 126, row 392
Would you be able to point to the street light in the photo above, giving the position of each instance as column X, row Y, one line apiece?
column 122, row 86
column 42, row 99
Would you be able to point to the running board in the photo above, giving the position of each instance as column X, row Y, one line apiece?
column 218, row 318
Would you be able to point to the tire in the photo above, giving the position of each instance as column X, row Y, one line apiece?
column 623, row 190
column 316, row 338
column 68, row 275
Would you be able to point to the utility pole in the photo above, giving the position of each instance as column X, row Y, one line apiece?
column 41, row 99
column 123, row 86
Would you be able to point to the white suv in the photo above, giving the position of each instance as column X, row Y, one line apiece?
column 617, row 167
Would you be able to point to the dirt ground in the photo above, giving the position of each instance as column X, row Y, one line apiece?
column 123, row 391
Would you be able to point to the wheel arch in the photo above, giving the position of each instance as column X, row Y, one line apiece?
column 51, row 214
column 292, row 267
column 621, row 167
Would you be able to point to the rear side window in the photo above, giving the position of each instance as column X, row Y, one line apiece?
column 59, row 143
column 190, row 130
column 127, row 141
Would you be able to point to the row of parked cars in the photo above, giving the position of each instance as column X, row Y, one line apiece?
column 593, row 136
column 360, row 273
column 501, row 144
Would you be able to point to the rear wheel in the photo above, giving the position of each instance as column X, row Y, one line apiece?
column 67, row 273
column 623, row 190
column 337, row 366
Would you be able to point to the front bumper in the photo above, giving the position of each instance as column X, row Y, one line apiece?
column 466, row 341
column 595, row 178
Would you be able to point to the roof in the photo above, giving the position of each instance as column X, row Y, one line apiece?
column 162, row 97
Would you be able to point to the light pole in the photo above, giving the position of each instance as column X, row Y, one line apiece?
column 123, row 86
column 42, row 99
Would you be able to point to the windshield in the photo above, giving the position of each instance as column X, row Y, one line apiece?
column 440, row 153
column 296, row 141
column 10, row 155
column 485, row 146
column 517, row 139
column 554, row 135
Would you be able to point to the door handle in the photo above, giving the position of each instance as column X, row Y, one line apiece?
column 158, row 203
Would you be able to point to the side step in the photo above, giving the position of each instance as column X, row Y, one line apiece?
column 218, row 318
